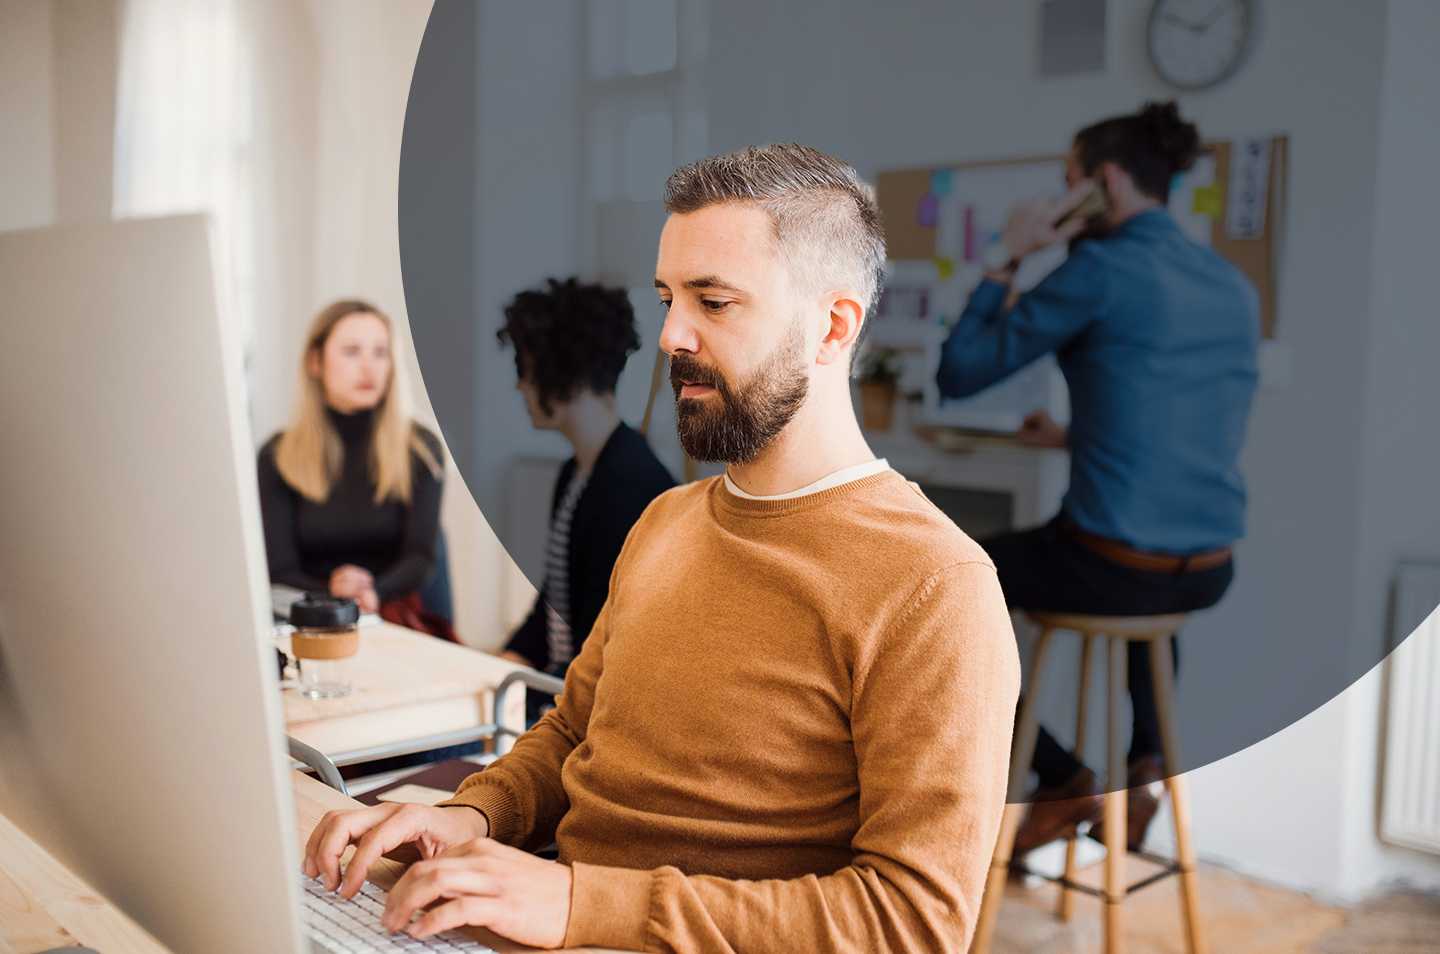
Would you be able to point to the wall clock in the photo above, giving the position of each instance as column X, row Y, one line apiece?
column 1196, row 44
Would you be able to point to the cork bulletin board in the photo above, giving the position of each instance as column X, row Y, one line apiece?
column 1232, row 200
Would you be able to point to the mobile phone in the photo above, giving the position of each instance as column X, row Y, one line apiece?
column 1094, row 205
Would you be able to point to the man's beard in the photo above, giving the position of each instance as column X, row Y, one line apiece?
column 735, row 424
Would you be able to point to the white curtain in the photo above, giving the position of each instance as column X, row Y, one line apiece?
column 184, row 137
column 215, row 114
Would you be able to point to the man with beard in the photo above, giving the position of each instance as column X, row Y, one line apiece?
column 789, row 728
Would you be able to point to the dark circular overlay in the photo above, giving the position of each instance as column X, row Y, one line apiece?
column 537, row 140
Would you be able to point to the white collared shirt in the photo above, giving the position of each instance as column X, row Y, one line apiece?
column 842, row 476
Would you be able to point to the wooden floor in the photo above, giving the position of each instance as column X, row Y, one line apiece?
column 1241, row 917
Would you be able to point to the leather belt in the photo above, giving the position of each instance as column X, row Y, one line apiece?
column 1117, row 552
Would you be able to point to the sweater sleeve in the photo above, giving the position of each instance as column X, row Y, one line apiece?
column 932, row 792
column 520, row 793
column 278, row 516
column 422, row 525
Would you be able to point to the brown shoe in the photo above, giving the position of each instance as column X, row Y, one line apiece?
column 1141, row 802
column 1055, row 812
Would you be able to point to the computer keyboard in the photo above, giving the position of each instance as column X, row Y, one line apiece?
column 337, row 926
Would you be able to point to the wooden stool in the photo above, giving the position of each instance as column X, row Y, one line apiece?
column 1118, row 632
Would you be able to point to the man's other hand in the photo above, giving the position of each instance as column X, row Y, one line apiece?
column 485, row 884
column 377, row 830
column 1039, row 429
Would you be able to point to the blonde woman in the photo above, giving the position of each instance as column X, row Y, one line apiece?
column 350, row 491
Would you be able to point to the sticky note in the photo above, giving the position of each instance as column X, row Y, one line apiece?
column 946, row 268
column 927, row 211
column 1207, row 202
column 940, row 182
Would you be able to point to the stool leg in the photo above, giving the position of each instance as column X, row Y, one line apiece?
column 1115, row 802
column 1067, row 897
column 1161, row 669
column 1021, row 753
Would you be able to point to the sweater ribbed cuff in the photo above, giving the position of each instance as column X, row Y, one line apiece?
column 495, row 802
column 609, row 907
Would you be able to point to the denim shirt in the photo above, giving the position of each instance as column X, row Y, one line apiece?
column 1156, row 336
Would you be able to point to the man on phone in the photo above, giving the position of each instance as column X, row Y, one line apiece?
column 789, row 727
column 1156, row 336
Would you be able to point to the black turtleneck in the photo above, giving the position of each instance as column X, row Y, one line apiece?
column 306, row 541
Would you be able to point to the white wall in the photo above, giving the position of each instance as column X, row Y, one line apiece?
column 1289, row 808
column 27, row 187
column 528, row 153
column 1400, row 503
column 86, row 51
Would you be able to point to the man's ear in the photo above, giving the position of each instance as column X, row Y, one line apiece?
column 1116, row 182
column 846, row 316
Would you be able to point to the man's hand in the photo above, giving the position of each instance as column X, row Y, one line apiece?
column 377, row 830
column 485, row 884
column 1031, row 225
column 1039, row 429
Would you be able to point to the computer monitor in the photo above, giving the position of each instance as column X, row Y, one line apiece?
column 140, row 720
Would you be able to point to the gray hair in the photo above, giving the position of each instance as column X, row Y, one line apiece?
column 825, row 219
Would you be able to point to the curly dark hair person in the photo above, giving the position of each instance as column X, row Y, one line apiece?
column 570, row 337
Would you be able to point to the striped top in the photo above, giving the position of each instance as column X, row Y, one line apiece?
column 557, row 579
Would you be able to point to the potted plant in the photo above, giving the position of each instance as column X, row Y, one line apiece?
column 879, row 377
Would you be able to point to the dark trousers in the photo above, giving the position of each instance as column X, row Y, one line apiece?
column 1047, row 569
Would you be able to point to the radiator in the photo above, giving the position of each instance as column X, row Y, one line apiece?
column 1410, row 808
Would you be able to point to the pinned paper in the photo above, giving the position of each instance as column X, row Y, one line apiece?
column 950, row 228
column 1207, row 202
column 1249, row 188
column 927, row 211
column 940, row 182
column 946, row 268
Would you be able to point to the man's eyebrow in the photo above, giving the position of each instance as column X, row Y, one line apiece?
column 705, row 281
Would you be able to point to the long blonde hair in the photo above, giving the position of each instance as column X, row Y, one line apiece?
column 309, row 454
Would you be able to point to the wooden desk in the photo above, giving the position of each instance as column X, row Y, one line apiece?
column 407, row 686
column 43, row 905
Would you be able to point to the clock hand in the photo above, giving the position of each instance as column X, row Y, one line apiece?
column 1179, row 21
column 1214, row 16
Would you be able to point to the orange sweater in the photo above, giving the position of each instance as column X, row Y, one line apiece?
column 788, row 730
